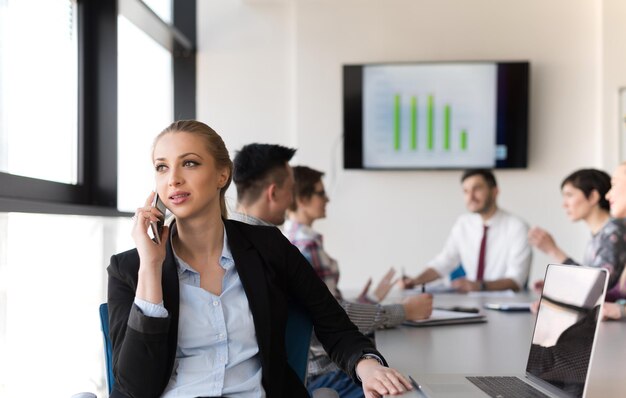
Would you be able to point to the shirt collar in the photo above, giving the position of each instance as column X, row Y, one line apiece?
column 226, row 259
column 248, row 219
column 492, row 220
column 302, row 229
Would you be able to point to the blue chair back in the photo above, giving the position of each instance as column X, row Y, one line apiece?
column 458, row 272
column 108, row 350
column 297, row 341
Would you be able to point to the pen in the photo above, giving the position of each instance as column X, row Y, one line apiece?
column 459, row 309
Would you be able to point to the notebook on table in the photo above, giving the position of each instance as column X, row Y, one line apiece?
column 560, row 350
column 446, row 317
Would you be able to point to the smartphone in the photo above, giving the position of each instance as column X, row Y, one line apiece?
column 157, row 226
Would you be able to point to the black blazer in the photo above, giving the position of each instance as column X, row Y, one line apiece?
column 272, row 271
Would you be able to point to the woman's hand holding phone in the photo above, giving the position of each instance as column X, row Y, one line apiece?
column 151, row 254
column 145, row 217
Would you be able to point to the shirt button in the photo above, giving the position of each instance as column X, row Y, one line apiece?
column 221, row 335
column 216, row 303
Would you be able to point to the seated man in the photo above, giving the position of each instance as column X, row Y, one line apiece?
column 265, row 186
column 491, row 244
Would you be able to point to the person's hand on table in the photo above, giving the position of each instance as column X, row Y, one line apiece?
column 538, row 286
column 611, row 311
column 464, row 285
column 407, row 282
column 382, row 289
column 534, row 307
column 379, row 380
column 418, row 307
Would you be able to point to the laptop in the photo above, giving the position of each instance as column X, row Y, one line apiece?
column 561, row 348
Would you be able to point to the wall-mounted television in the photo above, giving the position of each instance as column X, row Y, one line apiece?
column 436, row 115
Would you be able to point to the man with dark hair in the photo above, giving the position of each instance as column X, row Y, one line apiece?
column 487, row 175
column 264, row 182
column 256, row 176
column 490, row 243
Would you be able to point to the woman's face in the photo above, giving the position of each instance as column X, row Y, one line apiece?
column 315, row 206
column 617, row 194
column 576, row 205
column 187, row 179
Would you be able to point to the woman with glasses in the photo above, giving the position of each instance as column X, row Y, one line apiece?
column 309, row 204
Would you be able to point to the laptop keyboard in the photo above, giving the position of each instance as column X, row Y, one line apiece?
column 506, row 386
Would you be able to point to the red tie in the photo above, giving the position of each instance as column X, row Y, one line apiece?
column 481, row 255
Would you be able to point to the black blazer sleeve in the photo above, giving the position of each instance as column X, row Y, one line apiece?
column 140, row 343
column 339, row 336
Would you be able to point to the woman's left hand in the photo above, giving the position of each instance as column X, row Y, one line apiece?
column 379, row 380
column 610, row 311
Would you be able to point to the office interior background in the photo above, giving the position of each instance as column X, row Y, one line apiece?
column 75, row 166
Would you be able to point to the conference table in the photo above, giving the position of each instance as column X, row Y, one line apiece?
column 498, row 347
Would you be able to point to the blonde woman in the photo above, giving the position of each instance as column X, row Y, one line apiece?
column 203, row 313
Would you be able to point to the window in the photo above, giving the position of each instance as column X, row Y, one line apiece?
column 145, row 107
column 50, row 338
column 68, row 116
column 63, row 98
column 38, row 89
column 162, row 8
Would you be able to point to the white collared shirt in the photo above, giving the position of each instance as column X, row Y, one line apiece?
column 507, row 255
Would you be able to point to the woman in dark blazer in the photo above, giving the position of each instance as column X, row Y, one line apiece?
column 203, row 313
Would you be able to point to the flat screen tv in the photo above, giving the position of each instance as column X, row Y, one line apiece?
column 436, row 115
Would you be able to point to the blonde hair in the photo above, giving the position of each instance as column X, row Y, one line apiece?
column 214, row 144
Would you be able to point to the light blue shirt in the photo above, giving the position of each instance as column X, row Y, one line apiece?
column 217, row 352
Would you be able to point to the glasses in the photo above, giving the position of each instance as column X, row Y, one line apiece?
column 321, row 194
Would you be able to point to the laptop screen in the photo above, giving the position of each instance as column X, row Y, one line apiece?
column 566, row 325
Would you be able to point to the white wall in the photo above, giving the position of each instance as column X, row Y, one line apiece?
column 612, row 78
column 270, row 71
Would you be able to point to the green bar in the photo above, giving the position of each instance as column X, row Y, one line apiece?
column 431, row 124
column 413, row 123
column 396, row 123
column 446, row 127
column 463, row 140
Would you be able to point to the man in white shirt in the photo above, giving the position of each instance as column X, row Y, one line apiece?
column 490, row 243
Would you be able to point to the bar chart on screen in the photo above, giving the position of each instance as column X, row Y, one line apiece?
column 427, row 116
column 445, row 139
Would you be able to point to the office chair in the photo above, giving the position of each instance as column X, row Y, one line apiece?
column 297, row 341
column 108, row 350
column 458, row 272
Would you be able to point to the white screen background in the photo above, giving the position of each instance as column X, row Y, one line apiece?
column 468, row 89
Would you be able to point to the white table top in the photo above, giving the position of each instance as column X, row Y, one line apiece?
column 499, row 346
